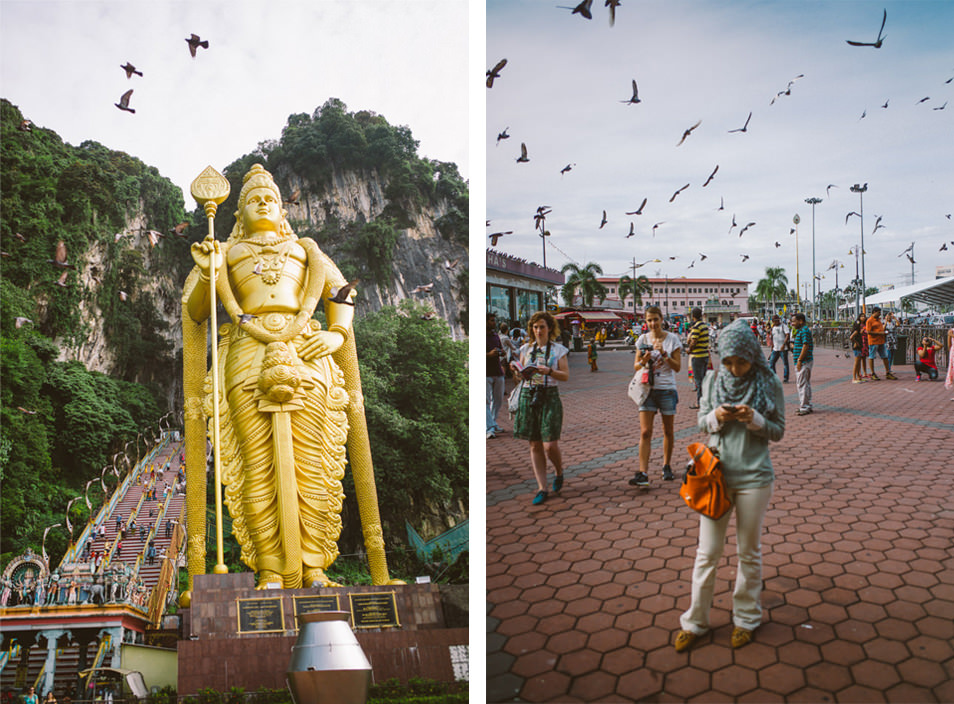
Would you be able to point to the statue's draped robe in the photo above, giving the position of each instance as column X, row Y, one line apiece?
column 282, row 460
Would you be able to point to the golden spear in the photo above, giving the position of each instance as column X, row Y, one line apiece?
column 209, row 189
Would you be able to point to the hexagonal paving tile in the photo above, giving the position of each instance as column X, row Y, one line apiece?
column 859, row 587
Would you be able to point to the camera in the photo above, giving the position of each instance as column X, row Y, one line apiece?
column 536, row 397
column 645, row 348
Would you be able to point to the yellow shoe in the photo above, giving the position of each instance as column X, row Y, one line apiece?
column 684, row 640
column 740, row 637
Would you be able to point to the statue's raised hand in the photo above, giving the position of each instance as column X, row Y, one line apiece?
column 202, row 254
column 319, row 344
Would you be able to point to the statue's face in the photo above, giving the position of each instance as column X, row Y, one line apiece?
column 262, row 211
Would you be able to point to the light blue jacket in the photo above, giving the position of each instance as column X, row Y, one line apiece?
column 743, row 449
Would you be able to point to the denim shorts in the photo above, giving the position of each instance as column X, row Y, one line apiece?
column 877, row 350
column 858, row 353
column 662, row 400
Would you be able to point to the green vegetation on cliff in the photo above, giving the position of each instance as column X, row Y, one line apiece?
column 331, row 141
column 61, row 423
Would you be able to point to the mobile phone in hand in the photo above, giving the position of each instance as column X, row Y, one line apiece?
column 730, row 409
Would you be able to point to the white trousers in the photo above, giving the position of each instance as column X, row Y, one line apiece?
column 749, row 507
column 803, row 384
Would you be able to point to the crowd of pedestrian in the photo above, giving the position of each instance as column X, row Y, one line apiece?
column 741, row 406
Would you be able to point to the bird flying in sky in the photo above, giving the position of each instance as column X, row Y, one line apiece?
column 194, row 42
column 639, row 210
column 130, row 70
column 523, row 158
column 745, row 127
column 123, row 103
column 877, row 43
column 711, row 176
column 678, row 192
column 635, row 97
column 341, row 295
column 688, row 132
column 494, row 73
column 497, row 235
column 583, row 9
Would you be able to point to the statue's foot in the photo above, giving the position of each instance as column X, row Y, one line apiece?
column 268, row 580
column 317, row 575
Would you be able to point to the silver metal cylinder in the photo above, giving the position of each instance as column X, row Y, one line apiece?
column 328, row 665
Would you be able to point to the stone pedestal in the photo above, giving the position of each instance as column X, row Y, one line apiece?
column 220, row 651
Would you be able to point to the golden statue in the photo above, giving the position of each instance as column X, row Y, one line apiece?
column 289, row 391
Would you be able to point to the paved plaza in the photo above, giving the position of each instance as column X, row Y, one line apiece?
column 585, row 591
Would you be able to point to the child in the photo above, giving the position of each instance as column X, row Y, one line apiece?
column 591, row 355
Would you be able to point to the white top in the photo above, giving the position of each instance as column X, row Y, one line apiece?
column 529, row 358
column 779, row 333
column 664, row 377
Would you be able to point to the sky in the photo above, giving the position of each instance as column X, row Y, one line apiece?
column 405, row 60
column 562, row 91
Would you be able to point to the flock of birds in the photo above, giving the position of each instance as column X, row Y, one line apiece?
column 194, row 41
column 60, row 259
column 584, row 10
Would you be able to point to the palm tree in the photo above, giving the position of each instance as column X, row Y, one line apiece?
column 638, row 286
column 583, row 279
column 773, row 286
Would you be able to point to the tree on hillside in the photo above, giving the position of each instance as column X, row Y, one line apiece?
column 583, row 279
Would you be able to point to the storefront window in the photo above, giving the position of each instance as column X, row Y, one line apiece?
column 528, row 303
column 498, row 302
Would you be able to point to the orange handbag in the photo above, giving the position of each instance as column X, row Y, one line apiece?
column 704, row 487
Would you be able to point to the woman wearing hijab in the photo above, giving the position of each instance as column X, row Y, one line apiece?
column 743, row 408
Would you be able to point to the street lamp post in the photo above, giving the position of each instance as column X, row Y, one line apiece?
column 813, row 202
column 543, row 235
column 796, row 220
column 860, row 190
column 856, row 250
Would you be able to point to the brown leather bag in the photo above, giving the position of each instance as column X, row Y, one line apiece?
column 704, row 487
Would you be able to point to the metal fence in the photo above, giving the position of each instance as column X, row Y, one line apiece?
column 908, row 335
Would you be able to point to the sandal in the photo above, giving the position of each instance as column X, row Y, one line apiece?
column 684, row 640
column 741, row 637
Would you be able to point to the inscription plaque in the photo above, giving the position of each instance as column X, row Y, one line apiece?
column 375, row 610
column 261, row 615
column 311, row 604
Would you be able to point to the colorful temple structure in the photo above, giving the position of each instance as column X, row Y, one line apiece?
column 111, row 586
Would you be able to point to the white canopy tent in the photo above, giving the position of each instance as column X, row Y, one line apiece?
column 939, row 292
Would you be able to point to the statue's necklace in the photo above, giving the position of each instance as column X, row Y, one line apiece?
column 269, row 260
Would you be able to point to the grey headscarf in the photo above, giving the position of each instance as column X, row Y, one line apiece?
column 754, row 389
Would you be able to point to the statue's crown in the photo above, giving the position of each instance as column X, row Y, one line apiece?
column 257, row 177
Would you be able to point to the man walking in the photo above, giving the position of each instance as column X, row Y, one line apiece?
column 876, row 343
column 802, row 348
column 780, row 342
column 495, row 376
column 698, row 351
